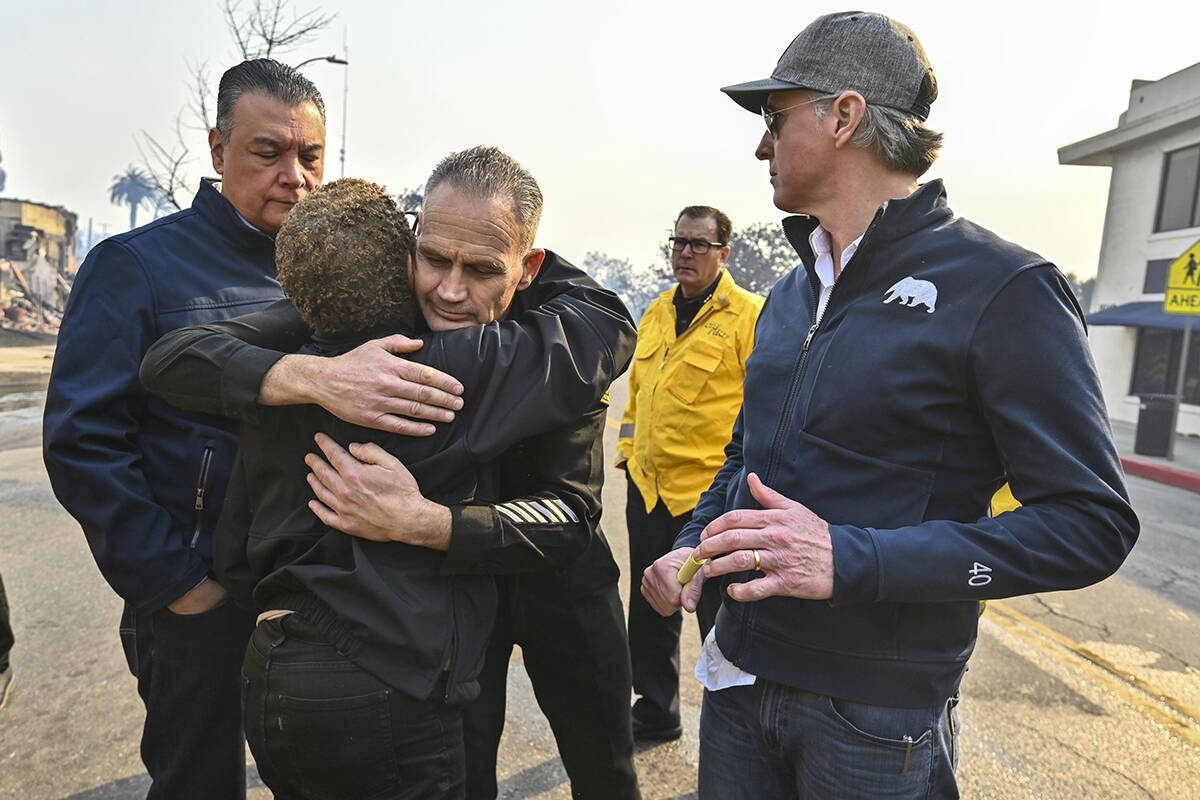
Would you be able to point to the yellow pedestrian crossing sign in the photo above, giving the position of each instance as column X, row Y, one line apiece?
column 1183, row 283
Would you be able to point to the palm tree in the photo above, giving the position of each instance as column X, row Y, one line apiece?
column 132, row 188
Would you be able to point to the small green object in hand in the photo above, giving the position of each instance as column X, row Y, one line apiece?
column 689, row 569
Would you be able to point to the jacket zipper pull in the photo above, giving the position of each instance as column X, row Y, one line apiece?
column 908, row 740
column 201, row 490
column 808, row 339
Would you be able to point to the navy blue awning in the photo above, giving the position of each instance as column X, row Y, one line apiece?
column 1148, row 314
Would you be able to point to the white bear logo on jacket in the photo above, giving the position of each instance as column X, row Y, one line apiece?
column 913, row 292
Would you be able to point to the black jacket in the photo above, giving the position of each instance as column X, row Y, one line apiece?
column 522, row 380
column 143, row 479
column 218, row 369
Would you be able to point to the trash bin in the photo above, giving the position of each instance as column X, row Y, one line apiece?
column 1155, row 425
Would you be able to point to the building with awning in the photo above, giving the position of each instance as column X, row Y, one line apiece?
column 1153, row 215
column 1138, row 314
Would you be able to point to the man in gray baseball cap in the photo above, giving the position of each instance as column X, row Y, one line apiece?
column 827, row 56
column 908, row 366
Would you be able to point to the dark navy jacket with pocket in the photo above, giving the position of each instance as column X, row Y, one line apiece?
column 146, row 480
column 947, row 362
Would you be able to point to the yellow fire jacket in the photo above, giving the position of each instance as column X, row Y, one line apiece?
column 684, row 395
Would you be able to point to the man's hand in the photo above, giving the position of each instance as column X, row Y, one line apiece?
column 368, row 386
column 661, row 588
column 207, row 594
column 368, row 493
column 785, row 541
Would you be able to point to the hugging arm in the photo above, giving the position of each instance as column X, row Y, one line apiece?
column 231, row 367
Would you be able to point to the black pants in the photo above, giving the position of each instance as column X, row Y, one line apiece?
column 577, row 657
column 322, row 727
column 187, row 668
column 653, row 638
column 6, row 634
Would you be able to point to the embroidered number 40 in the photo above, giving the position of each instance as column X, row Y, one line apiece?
column 979, row 575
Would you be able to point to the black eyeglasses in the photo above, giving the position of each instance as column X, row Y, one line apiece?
column 412, row 217
column 699, row 246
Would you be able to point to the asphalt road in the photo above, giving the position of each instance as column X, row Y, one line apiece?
column 1079, row 694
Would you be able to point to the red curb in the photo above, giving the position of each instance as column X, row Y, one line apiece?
column 1171, row 476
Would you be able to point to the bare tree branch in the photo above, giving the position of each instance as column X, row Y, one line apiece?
column 268, row 24
column 263, row 29
column 241, row 31
column 165, row 167
column 303, row 28
column 198, row 105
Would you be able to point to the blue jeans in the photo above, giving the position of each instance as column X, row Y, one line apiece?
column 769, row 741
column 322, row 728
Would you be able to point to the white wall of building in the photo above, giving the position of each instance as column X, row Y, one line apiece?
column 1163, row 116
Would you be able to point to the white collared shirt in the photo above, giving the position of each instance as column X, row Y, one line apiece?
column 822, row 246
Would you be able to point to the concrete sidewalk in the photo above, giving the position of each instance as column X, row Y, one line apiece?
column 25, row 368
column 1183, row 471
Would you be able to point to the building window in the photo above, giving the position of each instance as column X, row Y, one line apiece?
column 1177, row 205
column 1156, row 364
column 1156, row 276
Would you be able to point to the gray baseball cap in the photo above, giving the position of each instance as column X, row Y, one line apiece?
column 869, row 53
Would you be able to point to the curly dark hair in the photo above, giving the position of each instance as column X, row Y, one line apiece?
column 343, row 255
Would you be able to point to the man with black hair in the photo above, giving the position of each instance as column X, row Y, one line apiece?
column 685, row 389
column 354, row 633
column 145, row 480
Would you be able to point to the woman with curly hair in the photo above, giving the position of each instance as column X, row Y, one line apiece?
column 365, row 651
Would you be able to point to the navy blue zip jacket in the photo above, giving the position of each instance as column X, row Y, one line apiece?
column 146, row 480
column 946, row 362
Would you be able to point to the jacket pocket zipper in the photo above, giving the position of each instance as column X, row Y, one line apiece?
column 201, row 489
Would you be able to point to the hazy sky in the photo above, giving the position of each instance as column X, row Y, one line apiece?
column 613, row 106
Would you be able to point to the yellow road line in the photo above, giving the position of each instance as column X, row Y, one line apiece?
column 1120, row 682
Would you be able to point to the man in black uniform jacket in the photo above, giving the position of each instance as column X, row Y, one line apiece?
column 474, row 261
column 383, row 613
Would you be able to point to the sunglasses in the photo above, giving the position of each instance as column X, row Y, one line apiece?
column 774, row 117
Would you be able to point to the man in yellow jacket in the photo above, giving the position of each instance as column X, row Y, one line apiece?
column 685, row 389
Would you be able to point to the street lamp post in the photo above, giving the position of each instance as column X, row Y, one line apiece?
column 345, row 94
